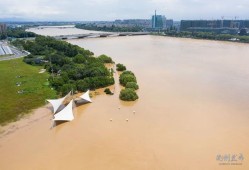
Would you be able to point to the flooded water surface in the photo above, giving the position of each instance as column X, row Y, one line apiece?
column 192, row 113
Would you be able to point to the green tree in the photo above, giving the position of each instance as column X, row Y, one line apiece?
column 56, row 82
column 99, row 82
column 120, row 67
column 108, row 91
column 79, row 58
column 132, row 85
column 105, row 59
column 127, row 76
column 128, row 72
column 66, row 88
column 82, row 85
column 128, row 95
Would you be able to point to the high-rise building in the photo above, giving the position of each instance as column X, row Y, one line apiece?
column 3, row 28
column 169, row 23
column 158, row 21
column 217, row 26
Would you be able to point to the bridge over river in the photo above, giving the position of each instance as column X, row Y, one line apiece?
column 101, row 34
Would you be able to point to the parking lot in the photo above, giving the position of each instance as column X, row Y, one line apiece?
column 9, row 52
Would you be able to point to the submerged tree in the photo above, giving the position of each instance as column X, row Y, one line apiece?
column 128, row 94
column 132, row 85
column 127, row 76
column 120, row 67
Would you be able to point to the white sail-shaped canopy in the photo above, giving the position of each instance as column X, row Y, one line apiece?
column 57, row 102
column 66, row 114
column 86, row 96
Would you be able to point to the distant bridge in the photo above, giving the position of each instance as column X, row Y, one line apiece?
column 95, row 35
column 62, row 27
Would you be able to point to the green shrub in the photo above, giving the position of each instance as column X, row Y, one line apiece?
column 79, row 58
column 128, row 95
column 132, row 85
column 127, row 76
column 108, row 91
column 105, row 59
column 99, row 82
column 67, row 88
column 128, row 72
column 56, row 82
column 120, row 67
column 82, row 85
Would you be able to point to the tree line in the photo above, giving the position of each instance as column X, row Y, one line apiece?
column 112, row 28
column 16, row 33
column 209, row 36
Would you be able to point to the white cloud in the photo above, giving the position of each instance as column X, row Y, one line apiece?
column 33, row 11
column 28, row 9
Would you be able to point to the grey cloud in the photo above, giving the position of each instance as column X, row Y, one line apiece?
column 115, row 9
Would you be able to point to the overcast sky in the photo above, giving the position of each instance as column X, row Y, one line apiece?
column 99, row 10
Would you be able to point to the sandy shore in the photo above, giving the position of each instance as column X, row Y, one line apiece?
column 26, row 121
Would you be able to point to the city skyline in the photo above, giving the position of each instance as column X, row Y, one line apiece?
column 108, row 10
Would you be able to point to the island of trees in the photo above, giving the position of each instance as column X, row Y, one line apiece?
column 129, row 81
column 112, row 28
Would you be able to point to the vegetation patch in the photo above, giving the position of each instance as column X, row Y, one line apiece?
column 132, row 85
column 71, row 67
column 108, row 91
column 128, row 95
column 127, row 76
column 244, row 38
column 129, row 81
column 105, row 59
column 17, row 33
column 120, row 67
column 112, row 28
column 22, row 89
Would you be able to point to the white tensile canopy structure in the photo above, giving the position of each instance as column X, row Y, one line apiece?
column 57, row 102
column 86, row 96
column 66, row 114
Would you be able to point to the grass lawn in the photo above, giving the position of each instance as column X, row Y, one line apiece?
column 35, row 86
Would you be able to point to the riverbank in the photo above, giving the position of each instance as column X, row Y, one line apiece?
column 36, row 115
column 30, row 86
column 27, row 120
column 206, row 36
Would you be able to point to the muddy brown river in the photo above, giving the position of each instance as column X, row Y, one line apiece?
column 192, row 113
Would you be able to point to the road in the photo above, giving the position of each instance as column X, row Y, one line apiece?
column 17, row 54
